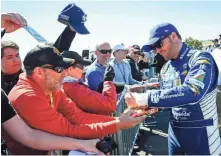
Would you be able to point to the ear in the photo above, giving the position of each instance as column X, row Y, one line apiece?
column 173, row 35
column 96, row 52
column 69, row 71
column 39, row 72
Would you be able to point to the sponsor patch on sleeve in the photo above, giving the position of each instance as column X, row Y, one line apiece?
column 203, row 61
column 197, row 82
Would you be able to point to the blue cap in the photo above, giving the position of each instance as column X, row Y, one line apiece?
column 161, row 31
column 147, row 48
column 74, row 16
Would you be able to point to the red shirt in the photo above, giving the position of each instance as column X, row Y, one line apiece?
column 92, row 101
column 64, row 118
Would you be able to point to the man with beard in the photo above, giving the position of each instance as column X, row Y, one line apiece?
column 189, row 87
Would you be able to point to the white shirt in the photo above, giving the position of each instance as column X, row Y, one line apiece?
column 216, row 53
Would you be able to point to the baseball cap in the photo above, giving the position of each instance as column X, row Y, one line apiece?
column 45, row 54
column 74, row 16
column 161, row 31
column 74, row 55
column 134, row 49
column 119, row 47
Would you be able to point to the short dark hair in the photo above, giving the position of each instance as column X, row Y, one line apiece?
column 179, row 36
column 29, row 71
column 8, row 44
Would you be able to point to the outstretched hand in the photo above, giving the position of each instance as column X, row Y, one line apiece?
column 12, row 22
column 126, row 120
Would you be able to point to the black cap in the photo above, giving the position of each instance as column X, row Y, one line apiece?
column 45, row 54
column 78, row 59
column 136, row 47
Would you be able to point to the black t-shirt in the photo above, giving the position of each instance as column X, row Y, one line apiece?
column 7, row 110
column 9, row 81
column 159, row 61
column 7, row 113
column 143, row 65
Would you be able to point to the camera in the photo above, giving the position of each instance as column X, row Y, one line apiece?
column 106, row 145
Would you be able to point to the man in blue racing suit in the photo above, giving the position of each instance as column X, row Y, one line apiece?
column 188, row 87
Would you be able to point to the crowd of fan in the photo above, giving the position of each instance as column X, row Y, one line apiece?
column 35, row 93
column 58, row 99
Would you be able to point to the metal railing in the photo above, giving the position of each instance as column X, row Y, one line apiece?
column 124, row 138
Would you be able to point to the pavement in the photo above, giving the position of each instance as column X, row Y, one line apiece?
column 152, row 139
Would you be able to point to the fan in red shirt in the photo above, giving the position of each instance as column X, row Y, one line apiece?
column 39, row 100
column 86, row 99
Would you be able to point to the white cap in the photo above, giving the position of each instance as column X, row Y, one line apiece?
column 119, row 47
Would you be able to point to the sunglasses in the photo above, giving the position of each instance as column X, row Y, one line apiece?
column 57, row 69
column 159, row 43
column 105, row 51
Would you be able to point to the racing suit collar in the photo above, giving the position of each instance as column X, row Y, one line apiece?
column 183, row 52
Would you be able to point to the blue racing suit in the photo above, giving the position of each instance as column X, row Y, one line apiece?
column 188, row 87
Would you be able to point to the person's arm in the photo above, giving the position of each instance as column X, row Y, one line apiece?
column 79, row 117
column 200, row 78
column 92, row 101
column 67, row 121
column 40, row 140
column 64, row 41
column 12, row 22
column 76, row 116
column 36, row 139
column 94, row 79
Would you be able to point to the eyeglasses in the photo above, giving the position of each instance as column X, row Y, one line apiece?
column 57, row 69
column 80, row 66
column 105, row 51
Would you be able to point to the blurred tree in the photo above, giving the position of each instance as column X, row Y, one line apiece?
column 194, row 43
